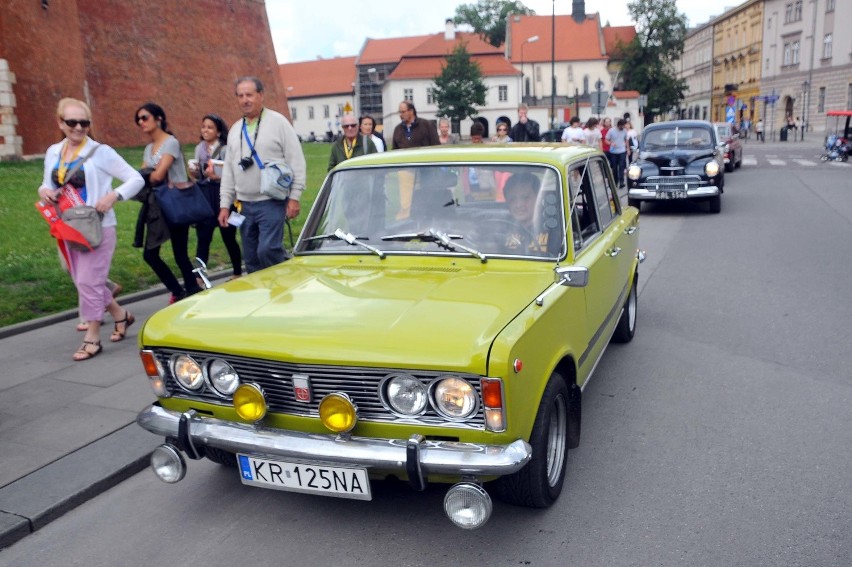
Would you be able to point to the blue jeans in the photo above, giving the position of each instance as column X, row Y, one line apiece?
column 618, row 163
column 262, row 233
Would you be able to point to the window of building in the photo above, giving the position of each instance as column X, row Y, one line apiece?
column 787, row 58
column 408, row 94
column 502, row 93
column 293, row 114
column 430, row 97
column 788, row 13
column 821, row 100
column 310, row 113
column 849, row 95
column 797, row 11
column 826, row 46
column 340, row 110
column 829, row 6
column 325, row 111
column 585, row 84
column 795, row 49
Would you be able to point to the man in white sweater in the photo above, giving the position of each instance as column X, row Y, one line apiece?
column 261, row 136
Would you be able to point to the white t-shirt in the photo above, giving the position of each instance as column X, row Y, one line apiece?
column 573, row 135
column 593, row 137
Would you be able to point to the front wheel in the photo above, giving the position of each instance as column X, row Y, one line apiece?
column 626, row 327
column 634, row 203
column 539, row 483
column 715, row 204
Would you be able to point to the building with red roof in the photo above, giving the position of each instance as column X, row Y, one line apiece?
column 319, row 93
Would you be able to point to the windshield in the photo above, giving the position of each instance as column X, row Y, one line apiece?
column 695, row 138
column 473, row 210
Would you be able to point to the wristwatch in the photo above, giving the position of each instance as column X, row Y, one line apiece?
column 120, row 196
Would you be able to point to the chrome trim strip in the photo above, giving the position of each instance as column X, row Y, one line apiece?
column 436, row 457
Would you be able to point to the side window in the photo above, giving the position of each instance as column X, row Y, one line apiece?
column 584, row 217
column 605, row 200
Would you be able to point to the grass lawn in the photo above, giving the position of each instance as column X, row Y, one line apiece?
column 32, row 284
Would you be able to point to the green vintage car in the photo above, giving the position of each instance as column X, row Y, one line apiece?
column 441, row 315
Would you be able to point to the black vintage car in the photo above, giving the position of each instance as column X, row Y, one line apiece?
column 682, row 159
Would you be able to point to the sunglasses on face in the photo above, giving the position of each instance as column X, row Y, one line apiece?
column 502, row 130
column 71, row 123
column 143, row 118
column 350, row 125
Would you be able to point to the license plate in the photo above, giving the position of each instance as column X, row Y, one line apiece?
column 671, row 194
column 341, row 482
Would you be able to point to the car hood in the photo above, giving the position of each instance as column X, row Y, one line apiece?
column 675, row 157
column 395, row 312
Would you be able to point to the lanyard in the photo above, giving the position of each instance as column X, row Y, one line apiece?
column 63, row 165
column 250, row 144
column 347, row 149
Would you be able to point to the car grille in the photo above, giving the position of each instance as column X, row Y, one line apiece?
column 360, row 384
column 664, row 183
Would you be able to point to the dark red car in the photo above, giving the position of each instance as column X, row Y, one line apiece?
column 733, row 149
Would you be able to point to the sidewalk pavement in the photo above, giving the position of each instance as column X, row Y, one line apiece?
column 68, row 429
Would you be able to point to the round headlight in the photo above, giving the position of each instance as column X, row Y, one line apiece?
column 250, row 402
column 634, row 172
column 454, row 398
column 187, row 372
column 467, row 505
column 712, row 168
column 222, row 376
column 338, row 412
column 406, row 395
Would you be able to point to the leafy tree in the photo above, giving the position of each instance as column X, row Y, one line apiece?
column 459, row 87
column 649, row 58
column 488, row 18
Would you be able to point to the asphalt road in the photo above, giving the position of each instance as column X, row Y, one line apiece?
column 720, row 436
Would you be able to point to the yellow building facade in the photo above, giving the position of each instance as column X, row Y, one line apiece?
column 737, row 46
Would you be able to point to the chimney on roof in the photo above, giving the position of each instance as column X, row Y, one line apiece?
column 449, row 30
column 578, row 11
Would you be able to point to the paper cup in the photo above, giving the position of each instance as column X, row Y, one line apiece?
column 218, row 164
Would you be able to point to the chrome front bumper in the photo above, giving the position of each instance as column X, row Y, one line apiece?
column 415, row 456
column 651, row 194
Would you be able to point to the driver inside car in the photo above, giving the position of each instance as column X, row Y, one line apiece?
column 521, row 192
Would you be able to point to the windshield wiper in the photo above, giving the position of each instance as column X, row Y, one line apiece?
column 442, row 239
column 348, row 238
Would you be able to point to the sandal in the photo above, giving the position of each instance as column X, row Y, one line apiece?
column 83, row 326
column 83, row 353
column 118, row 335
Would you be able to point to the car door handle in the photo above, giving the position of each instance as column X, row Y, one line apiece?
column 630, row 229
column 613, row 252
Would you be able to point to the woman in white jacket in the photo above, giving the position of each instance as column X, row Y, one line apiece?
column 93, row 185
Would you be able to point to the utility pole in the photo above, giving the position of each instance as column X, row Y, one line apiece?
column 553, row 67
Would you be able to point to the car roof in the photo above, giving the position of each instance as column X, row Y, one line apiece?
column 679, row 124
column 522, row 153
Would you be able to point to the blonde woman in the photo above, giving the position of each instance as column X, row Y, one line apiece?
column 92, row 183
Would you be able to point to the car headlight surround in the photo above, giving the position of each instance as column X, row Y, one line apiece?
column 454, row 398
column 634, row 172
column 711, row 168
column 404, row 395
column 221, row 377
column 187, row 372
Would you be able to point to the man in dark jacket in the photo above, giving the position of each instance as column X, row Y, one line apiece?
column 525, row 130
column 411, row 132
column 350, row 144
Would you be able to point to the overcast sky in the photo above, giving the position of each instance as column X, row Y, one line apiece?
column 302, row 30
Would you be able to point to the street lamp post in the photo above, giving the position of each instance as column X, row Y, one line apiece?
column 805, row 102
column 532, row 39
column 553, row 67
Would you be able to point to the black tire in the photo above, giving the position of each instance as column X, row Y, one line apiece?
column 715, row 204
column 626, row 327
column 729, row 167
column 539, row 483
column 634, row 203
column 220, row 457
column 739, row 162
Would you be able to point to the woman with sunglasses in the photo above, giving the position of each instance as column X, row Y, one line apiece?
column 502, row 135
column 84, row 168
column 164, row 159
column 214, row 137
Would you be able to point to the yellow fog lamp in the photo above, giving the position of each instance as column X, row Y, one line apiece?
column 338, row 412
column 250, row 402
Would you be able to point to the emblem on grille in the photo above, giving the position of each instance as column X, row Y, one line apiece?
column 673, row 163
column 302, row 388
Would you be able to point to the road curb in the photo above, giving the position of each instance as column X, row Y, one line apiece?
column 32, row 324
column 30, row 503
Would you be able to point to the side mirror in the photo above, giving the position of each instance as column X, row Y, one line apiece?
column 572, row 276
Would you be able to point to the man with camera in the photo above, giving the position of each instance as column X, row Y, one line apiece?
column 261, row 137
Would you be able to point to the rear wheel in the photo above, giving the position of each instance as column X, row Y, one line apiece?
column 539, row 483
column 729, row 167
column 626, row 327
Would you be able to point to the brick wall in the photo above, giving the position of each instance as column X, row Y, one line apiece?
column 118, row 54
